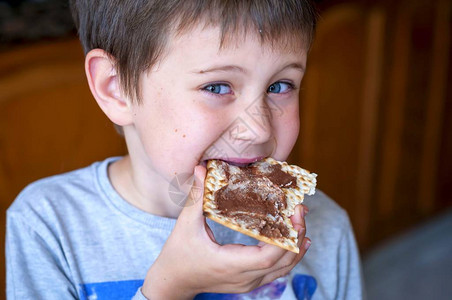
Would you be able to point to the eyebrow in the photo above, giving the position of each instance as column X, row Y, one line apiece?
column 235, row 68
column 220, row 68
column 295, row 66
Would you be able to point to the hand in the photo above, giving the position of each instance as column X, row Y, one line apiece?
column 192, row 262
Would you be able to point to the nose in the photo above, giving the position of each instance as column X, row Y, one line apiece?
column 254, row 124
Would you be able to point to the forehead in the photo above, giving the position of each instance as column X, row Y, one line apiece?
column 201, row 49
column 202, row 35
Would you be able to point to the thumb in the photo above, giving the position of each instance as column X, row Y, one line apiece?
column 192, row 213
column 195, row 196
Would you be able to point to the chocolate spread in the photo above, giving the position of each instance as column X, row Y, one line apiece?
column 254, row 196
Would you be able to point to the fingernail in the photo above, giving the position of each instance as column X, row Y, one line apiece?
column 307, row 244
column 298, row 210
column 304, row 211
column 197, row 173
column 300, row 231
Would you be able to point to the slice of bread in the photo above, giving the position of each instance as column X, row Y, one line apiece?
column 257, row 200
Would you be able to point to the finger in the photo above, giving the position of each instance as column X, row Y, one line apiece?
column 300, row 211
column 193, row 204
column 197, row 189
column 298, row 223
column 191, row 218
column 291, row 258
column 251, row 258
column 197, row 195
column 267, row 258
column 303, row 243
column 287, row 259
column 275, row 274
column 298, row 217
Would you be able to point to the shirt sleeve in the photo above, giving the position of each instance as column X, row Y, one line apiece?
column 350, row 285
column 139, row 295
column 36, row 267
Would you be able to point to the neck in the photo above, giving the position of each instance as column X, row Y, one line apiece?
column 147, row 192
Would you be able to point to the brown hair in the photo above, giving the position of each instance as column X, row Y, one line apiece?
column 135, row 32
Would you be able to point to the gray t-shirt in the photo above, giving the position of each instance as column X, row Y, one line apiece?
column 72, row 236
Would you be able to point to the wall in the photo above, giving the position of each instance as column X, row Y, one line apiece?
column 49, row 122
column 376, row 112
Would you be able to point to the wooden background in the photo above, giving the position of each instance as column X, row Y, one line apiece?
column 49, row 122
column 376, row 114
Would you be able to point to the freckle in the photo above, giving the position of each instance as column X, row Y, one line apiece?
column 175, row 130
column 183, row 136
column 175, row 173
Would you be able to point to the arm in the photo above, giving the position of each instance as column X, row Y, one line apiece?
column 36, row 268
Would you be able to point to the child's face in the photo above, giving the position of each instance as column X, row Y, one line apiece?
column 238, row 104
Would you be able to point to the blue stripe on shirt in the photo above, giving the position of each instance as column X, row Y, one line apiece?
column 119, row 290
column 303, row 286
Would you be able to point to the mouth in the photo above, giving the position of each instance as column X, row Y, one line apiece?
column 236, row 161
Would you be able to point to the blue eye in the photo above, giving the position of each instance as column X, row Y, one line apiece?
column 218, row 88
column 280, row 87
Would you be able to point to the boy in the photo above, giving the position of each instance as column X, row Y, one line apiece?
column 186, row 81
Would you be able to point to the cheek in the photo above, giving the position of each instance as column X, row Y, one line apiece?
column 287, row 132
column 183, row 141
column 290, row 132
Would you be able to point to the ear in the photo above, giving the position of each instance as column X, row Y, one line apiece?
column 104, row 84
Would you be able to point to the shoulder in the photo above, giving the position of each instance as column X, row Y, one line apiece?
column 332, row 262
column 60, row 193
column 325, row 215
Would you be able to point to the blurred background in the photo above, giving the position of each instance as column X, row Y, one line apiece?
column 376, row 116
